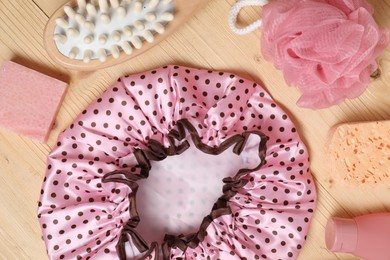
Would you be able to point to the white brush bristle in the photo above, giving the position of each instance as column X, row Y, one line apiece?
column 126, row 47
column 122, row 11
column 73, row 53
column 102, row 55
column 91, row 10
column 73, row 32
column 115, row 51
column 103, row 39
column 116, row 36
column 158, row 27
column 139, row 25
column 127, row 31
column 88, row 39
column 137, row 7
column 62, row 23
column 60, row 38
column 114, row 3
column 148, row 36
column 90, row 26
column 167, row 16
column 136, row 41
column 103, row 5
column 150, row 17
column 69, row 12
column 81, row 4
column 80, row 19
column 87, row 56
column 100, row 29
column 105, row 18
column 153, row 3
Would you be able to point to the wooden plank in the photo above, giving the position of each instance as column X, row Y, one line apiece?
column 204, row 42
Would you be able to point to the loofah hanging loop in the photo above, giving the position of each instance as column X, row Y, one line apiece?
column 235, row 10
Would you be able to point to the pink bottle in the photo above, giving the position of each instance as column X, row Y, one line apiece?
column 366, row 236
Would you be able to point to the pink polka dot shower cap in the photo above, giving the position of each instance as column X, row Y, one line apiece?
column 92, row 193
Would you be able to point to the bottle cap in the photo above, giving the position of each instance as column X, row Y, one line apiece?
column 341, row 235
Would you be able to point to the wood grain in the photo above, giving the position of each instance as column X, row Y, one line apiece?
column 205, row 41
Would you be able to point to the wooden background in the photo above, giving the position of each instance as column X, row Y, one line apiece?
column 204, row 42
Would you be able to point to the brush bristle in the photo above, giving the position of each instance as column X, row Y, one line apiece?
column 98, row 29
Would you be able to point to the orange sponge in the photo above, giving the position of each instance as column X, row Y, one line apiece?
column 360, row 152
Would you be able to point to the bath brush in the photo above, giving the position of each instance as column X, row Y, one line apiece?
column 93, row 34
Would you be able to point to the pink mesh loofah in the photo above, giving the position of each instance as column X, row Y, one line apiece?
column 325, row 47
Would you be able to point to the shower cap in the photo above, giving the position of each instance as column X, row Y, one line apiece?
column 89, row 206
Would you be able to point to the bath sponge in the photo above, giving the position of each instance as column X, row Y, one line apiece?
column 360, row 152
column 29, row 101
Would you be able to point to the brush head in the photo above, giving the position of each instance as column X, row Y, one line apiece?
column 91, row 34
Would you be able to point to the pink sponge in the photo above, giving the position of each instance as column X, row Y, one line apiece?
column 29, row 100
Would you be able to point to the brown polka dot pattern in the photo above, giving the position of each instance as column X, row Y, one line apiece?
column 82, row 218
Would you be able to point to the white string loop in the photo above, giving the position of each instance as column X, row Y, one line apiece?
column 235, row 10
